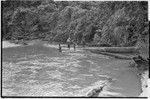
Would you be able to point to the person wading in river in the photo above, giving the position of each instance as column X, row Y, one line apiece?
column 60, row 49
column 69, row 42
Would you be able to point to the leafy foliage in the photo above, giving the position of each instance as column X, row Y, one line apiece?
column 121, row 23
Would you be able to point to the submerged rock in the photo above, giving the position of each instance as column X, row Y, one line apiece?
column 95, row 92
column 24, row 43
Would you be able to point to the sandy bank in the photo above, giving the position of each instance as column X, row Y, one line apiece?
column 7, row 44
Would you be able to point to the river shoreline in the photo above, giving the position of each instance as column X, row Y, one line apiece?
column 144, row 74
column 7, row 44
column 144, row 79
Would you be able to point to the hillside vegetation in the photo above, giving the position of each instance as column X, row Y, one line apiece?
column 118, row 23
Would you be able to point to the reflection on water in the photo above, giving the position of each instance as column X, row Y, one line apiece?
column 37, row 70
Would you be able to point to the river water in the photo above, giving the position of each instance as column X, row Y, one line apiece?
column 40, row 70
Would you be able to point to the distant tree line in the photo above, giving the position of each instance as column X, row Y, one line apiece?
column 118, row 23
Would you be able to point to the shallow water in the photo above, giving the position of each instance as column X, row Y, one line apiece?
column 37, row 70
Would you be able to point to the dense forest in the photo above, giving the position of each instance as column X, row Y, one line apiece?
column 117, row 23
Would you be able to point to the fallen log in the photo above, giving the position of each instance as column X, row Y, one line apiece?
column 122, row 49
column 98, row 45
column 112, row 55
column 24, row 43
column 114, row 49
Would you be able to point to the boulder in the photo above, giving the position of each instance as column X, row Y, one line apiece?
column 95, row 92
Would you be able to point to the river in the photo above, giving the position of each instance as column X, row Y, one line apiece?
column 40, row 70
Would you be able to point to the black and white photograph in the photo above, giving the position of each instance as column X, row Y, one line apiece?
column 73, row 49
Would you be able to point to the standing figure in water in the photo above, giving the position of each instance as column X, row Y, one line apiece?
column 74, row 46
column 60, row 49
column 69, row 42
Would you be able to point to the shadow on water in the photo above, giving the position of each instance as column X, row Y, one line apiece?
column 35, row 70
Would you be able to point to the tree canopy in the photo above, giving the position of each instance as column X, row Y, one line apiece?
column 122, row 23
